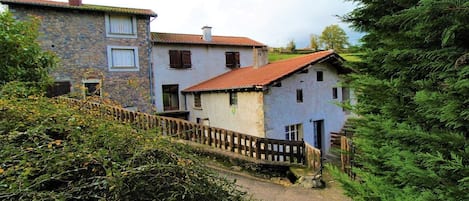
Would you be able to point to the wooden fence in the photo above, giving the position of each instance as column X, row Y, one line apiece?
column 292, row 152
column 346, row 155
column 313, row 158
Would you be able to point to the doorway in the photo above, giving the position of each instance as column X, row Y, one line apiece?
column 319, row 134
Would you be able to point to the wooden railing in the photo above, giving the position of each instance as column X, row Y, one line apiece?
column 285, row 151
column 313, row 157
column 346, row 155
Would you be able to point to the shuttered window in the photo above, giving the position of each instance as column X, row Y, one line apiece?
column 180, row 59
column 232, row 59
column 197, row 100
column 123, row 58
column 121, row 26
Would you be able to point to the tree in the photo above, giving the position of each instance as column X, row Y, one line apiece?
column 291, row 46
column 413, row 90
column 334, row 37
column 21, row 57
column 315, row 42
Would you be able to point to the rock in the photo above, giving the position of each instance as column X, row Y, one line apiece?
column 236, row 168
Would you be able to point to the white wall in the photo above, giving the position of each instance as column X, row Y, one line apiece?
column 207, row 62
column 282, row 109
column 247, row 117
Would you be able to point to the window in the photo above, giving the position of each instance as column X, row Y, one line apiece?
column 92, row 87
column 299, row 95
column 294, row 132
column 58, row 88
column 319, row 76
column 170, row 97
column 232, row 59
column 121, row 26
column 334, row 93
column 197, row 100
column 233, row 98
column 180, row 59
column 122, row 58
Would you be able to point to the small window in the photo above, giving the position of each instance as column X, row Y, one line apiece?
column 319, row 76
column 294, row 132
column 92, row 87
column 121, row 26
column 123, row 58
column 197, row 100
column 170, row 97
column 233, row 98
column 232, row 59
column 299, row 95
column 334, row 93
column 180, row 59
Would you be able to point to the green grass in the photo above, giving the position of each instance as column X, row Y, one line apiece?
column 352, row 57
column 281, row 56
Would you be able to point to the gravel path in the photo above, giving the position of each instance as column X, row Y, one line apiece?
column 260, row 189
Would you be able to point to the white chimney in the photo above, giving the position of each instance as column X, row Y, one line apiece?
column 74, row 2
column 207, row 33
column 260, row 57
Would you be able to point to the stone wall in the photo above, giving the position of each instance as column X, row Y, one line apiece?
column 79, row 40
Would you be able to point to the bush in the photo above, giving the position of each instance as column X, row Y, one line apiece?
column 50, row 151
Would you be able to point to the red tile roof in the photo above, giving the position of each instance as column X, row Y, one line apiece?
column 88, row 7
column 258, row 78
column 197, row 39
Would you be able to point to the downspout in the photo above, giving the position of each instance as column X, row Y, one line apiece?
column 150, row 59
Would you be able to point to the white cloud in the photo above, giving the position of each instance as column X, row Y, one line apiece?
column 272, row 22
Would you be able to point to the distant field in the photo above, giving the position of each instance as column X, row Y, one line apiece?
column 352, row 57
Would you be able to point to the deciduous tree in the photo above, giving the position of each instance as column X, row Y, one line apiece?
column 413, row 91
column 334, row 37
column 315, row 42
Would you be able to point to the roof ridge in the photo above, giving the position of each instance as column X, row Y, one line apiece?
column 200, row 35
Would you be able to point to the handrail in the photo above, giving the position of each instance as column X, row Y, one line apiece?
column 293, row 152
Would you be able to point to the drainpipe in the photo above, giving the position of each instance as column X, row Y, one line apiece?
column 150, row 59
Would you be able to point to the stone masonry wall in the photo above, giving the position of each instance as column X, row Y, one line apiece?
column 79, row 40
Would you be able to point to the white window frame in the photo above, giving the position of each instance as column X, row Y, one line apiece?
column 92, row 81
column 120, row 35
column 295, row 130
column 129, row 68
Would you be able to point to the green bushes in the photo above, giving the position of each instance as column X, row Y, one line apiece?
column 49, row 151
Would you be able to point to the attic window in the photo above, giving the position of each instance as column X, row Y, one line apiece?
column 233, row 98
column 319, row 76
column 232, row 59
column 121, row 26
column 299, row 95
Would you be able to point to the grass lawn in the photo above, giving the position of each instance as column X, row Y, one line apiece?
column 351, row 57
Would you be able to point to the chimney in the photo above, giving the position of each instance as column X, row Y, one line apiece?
column 207, row 33
column 74, row 2
column 260, row 57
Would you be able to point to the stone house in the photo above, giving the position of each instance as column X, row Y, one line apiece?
column 291, row 99
column 103, row 50
column 183, row 60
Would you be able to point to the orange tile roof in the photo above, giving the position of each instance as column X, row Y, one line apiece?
column 197, row 39
column 258, row 78
column 88, row 7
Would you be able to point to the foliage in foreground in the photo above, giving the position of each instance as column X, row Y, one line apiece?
column 52, row 152
column 413, row 94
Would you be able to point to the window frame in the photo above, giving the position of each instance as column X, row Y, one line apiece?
column 110, row 57
column 233, row 96
column 299, row 95
column 319, row 76
column 110, row 34
column 234, row 58
column 167, row 87
column 197, row 100
column 294, row 132
column 335, row 93
column 92, row 81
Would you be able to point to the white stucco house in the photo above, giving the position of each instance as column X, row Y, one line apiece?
column 183, row 60
column 292, row 99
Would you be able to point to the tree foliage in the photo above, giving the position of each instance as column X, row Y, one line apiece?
column 291, row 46
column 49, row 151
column 413, row 95
column 21, row 57
column 315, row 42
column 334, row 37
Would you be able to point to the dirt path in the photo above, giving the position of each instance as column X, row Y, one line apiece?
column 260, row 189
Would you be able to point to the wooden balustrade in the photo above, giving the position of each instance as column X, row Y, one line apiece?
column 313, row 157
column 293, row 152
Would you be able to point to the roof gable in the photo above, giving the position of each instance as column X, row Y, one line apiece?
column 175, row 38
column 86, row 7
column 258, row 78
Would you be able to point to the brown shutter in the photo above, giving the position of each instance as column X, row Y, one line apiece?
column 236, row 59
column 229, row 59
column 175, row 59
column 186, row 59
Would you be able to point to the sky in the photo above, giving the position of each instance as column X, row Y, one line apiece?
column 272, row 22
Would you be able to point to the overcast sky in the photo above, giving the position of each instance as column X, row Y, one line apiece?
column 272, row 22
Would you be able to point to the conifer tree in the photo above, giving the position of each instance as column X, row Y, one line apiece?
column 413, row 100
